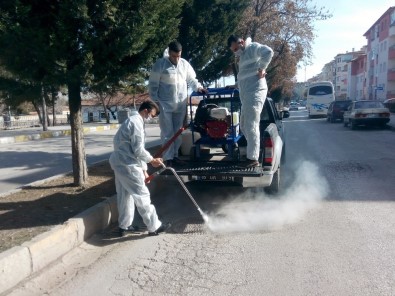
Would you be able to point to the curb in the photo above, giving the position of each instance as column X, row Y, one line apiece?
column 53, row 134
column 20, row 262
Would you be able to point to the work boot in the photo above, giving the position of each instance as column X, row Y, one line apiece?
column 130, row 229
column 164, row 227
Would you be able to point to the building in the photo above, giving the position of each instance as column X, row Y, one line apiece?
column 93, row 108
column 356, row 89
column 328, row 72
column 381, row 57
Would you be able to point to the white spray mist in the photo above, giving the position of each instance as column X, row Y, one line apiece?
column 258, row 212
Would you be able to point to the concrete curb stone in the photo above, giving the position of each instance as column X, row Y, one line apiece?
column 49, row 246
column 53, row 134
column 15, row 266
column 94, row 219
column 20, row 262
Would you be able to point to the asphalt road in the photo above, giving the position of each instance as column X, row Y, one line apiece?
column 329, row 232
column 27, row 162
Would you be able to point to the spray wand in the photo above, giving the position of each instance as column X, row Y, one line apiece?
column 204, row 216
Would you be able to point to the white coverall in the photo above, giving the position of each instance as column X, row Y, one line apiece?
column 168, row 86
column 128, row 161
column 253, row 92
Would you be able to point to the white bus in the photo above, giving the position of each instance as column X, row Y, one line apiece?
column 319, row 95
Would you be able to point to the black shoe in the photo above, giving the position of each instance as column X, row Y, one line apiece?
column 169, row 163
column 130, row 229
column 162, row 228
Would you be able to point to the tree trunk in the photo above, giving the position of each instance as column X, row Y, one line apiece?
column 53, row 108
column 37, row 108
column 44, row 109
column 80, row 171
column 102, row 99
column 113, row 112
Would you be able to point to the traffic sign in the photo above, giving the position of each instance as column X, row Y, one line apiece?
column 379, row 88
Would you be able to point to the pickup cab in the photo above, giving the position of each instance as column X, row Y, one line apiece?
column 217, row 163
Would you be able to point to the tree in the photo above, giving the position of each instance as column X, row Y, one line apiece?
column 204, row 29
column 287, row 27
column 78, row 42
column 108, row 93
column 106, row 40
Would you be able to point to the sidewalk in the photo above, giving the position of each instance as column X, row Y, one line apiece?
column 35, row 133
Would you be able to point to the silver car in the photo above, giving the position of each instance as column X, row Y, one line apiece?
column 366, row 113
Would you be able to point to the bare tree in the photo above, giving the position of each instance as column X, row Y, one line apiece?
column 287, row 27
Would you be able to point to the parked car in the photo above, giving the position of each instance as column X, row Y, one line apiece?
column 390, row 104
column 366, row 113
column 293, row 107
column 336, row 110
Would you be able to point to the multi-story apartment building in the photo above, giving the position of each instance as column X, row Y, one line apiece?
column 342, row 67
column 381, row 57
column 356, row 89
column 328, row 72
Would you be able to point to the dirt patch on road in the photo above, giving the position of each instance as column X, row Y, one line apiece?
column 34, row 210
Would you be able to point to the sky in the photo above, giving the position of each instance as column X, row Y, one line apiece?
column 342, row 32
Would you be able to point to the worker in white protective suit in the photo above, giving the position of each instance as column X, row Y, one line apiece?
column 168, row 82
column 253, row 61
column 129, row 162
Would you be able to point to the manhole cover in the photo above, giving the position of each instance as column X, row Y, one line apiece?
column 192, row 225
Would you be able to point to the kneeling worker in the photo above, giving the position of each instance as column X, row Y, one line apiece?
column 129, row 162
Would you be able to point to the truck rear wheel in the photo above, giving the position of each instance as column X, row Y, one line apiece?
column 275, row 186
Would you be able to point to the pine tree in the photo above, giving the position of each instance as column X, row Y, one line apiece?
column 80, row 42
column 204, row 30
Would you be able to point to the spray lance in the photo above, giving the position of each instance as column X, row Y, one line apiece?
column 157, row 173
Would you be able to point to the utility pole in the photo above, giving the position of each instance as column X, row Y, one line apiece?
column 305, row 74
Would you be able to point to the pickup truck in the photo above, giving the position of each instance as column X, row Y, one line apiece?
column 217, row 163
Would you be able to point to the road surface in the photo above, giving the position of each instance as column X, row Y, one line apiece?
column 329, row 232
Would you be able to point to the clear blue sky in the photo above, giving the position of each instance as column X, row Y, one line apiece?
column 343, row 32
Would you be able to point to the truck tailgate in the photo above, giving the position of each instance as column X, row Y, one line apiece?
column 217, row 168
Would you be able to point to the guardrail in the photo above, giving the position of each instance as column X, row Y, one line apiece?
column 18, row 124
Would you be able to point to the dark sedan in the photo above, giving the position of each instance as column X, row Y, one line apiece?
column 336, row 110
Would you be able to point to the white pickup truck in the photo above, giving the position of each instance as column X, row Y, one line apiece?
column 212, row 164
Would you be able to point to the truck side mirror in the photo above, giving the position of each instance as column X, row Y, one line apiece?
column 285, row 114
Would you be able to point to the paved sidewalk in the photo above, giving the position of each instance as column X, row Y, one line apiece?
column 35, row 133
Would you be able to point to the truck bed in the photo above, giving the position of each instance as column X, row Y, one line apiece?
column 214, row 165
column 218, row 168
